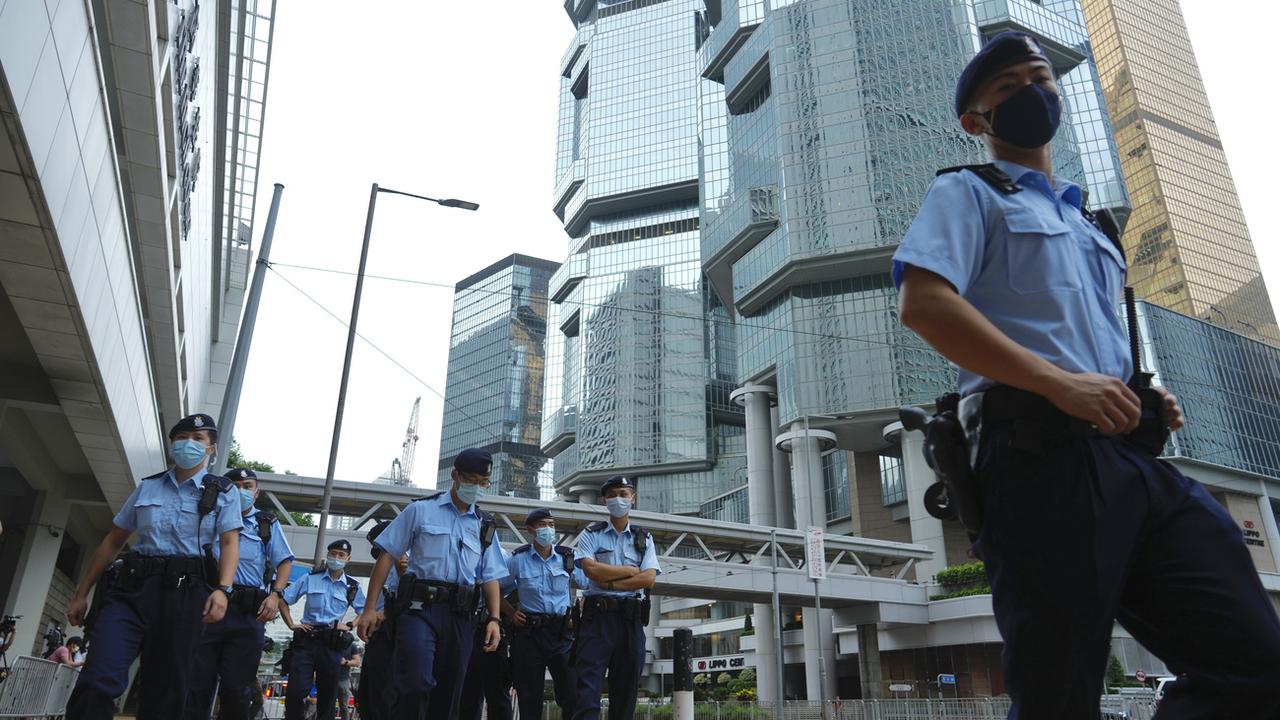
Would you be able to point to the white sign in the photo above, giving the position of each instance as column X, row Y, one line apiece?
column 815, row 554
column 719, row 663
column 900, row 687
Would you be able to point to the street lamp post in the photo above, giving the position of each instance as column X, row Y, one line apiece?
column 351, row 340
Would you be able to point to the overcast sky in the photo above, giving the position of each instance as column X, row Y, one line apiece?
column 459, row 100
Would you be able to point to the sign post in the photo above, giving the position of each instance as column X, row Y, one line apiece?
column 816, row 562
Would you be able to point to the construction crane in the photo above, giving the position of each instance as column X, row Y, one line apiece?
column 409, row 447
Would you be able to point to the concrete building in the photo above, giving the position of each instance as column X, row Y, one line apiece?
column 128, row 171
column 493, row 394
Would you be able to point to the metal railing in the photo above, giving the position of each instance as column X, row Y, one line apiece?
column 36, row 688
column 1114, row 708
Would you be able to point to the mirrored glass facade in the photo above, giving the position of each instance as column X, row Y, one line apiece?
column 1188, row 246
column 641, row 358
column 1228, row 385
column 493, row 395
column 823, row 123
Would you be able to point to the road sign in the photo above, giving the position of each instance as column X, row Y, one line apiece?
column 946, row 679
column 1140, row 676
column 815, row 554
column 900, row 687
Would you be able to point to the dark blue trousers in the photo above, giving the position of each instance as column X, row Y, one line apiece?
column 433, row 646
column 159, row 622
column 375, row 675
column 486, row 685
column 533, row 653
column 608, row 642
column 226, row 665
column 312, row 659
column 1081, row 532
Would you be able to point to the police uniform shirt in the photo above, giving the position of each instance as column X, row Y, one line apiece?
column 543, row 584
column 390, row 586
column 1029, row 262
column 610, row 546
column 443, row 543
column 164, row 514
column 252, row 566
column 326, row 597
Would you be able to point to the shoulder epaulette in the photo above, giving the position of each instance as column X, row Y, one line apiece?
column 484, row 515
column 266, row 517
column 317, row 570
column 157, row 476
column 564, row 550
column 598, row 526
column 432, row 496
column 1105, row 221
column 223, row 484
column 988, row 173
column 522, row 549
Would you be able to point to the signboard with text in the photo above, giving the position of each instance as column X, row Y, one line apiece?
column 815, row 554
column 946, row 679
column 719, row 663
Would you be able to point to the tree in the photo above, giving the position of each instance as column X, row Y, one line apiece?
column 1115, row 673
column 237, row 459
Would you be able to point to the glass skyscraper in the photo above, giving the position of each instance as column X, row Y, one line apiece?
column 493, row 395
column 1188, row 246
column 640, row 355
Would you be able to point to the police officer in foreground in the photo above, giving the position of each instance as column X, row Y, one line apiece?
column 542, row 637
column 162, row 596
column 486, row 691
column 454, row 554
column 1005, row 275
column 319, row 640
column 226, row 663
column 375, row 669
column 621, row 564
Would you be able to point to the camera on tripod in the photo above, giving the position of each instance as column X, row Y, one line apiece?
column 9, row 624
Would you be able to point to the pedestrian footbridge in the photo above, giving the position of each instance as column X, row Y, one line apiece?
column 700, row 558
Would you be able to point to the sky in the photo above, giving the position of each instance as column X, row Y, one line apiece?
column 459, row 100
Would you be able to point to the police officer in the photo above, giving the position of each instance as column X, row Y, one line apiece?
column 371, row 695
column 453, row 550
column 162, row 596
column 318, row 641
column 1004, row 275
column 621, row 564
column 543, row 574
column 487, row 688
column 226, row 662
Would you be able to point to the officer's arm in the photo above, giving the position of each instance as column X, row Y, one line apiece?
column 604, row 572
column 229, row 546
column 106, row 553
column 283, row 570
column 492, row 599
column 284, row 615
column 643, row 580
column 930, row 306
column 376, row 581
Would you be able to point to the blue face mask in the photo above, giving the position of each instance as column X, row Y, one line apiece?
column 1028, row 118
column 187, row 454
column 618, row 507
column 246, row 500
column 544, row 536
column 334, row 564
column 469, row 493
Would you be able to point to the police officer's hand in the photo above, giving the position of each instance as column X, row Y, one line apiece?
column 76, row 610
column 1099, row 399
column 215, row 607
column 519, row 618
column 269, row 609
column 1173, row 417
column 367, row 623
column 492, row 636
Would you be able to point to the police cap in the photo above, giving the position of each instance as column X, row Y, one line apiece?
column 238, row 474
column 342, row 545
column 537, row 516
column 191, row 423
column 1005, row 50
column 374, row 532
column 618, row 481
column 474, row 461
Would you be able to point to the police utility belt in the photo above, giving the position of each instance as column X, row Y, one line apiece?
column 177, row 570
column 558, row 624
column 415, row 594
column 632, row 609
column 247, row 598
column 332, row 638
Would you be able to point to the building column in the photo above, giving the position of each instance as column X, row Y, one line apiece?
column 781, row 479
column 807, row 446
column 925, row 529
column 757, row 401
column 1269, row 522
column 870, row 675
column 41, row 541
column 588, row 496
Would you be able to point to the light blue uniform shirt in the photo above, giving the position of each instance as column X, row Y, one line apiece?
column 610, row 546
column 543, row 584
column 164, row 515
column 390, row 586
column 252, row 563
column 443, row 543
column 326, row 598
column 1030, row 263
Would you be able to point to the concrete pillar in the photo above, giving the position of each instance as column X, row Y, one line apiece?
column 41, row 541
column 870, row 674
column 757, row 401
column 1269, row 522
column 588, row 496
column 781, row 478
column 925, row 529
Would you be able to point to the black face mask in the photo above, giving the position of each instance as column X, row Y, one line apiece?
column 1028, row 118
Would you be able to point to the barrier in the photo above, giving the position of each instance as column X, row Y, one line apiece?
column 36, row 688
